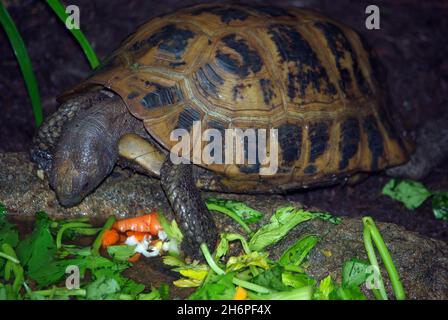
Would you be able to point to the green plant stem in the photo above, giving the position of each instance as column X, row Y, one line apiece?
column 97, row 243
column 242, row 283
column 67, row 226
column 60, row 292
column 59, row 9
column 8, row 257
column 231, row 214
column 380, row 293
column 24, row 62
column 397, row 286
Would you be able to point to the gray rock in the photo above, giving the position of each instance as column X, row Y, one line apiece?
column 421, row 262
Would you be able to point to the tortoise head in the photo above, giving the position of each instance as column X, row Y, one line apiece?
column 84, row 156
column 81, row 164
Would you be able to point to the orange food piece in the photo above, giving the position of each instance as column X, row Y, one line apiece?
column 139, row 236
column 155, row 226
column 146, row 223
column 135, row 257
column 240, row 294
column 110, row 237
column 123, row 238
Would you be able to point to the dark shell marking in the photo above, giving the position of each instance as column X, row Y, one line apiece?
column 290, row 140
column 170, row 39
column 227, row 15
column 250, row 59
column 310, row 169
column 349, row 143
column 339, row 46
column 375, row 140
column 208, row 81
column 246, row 167
column 268, row 90
column 307, row 70
column 318, row 135
column 187, row 117
column 161, row 96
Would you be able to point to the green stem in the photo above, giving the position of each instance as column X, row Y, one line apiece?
column 245, row 284
column 67, row 226
column 59, row 9
column 250, row 286
column 380, row 293
column 397, row 286
column 8, row 257
column 97, row 243
column 60, row 292
column 211, row 262
column 231, row 214
column 24, row 62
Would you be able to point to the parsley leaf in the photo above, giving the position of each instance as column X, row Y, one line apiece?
column 411, row 193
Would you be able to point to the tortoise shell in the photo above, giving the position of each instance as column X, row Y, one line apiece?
column 232, row 66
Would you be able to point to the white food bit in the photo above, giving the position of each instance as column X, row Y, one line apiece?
column 154, row 253
column 162, row 235
column 131, row 241
column 166, row 246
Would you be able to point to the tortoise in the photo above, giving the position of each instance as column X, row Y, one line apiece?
column 309, row 77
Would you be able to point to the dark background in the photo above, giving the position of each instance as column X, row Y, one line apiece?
column 412, row 44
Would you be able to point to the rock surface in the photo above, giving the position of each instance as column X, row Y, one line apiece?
column 421, row 262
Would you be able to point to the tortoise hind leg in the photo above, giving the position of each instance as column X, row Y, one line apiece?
column 189, row 209
column 49, row 132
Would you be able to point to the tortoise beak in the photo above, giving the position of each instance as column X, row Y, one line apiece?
column 62, row 180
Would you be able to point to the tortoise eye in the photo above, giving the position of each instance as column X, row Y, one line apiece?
column 85, row 186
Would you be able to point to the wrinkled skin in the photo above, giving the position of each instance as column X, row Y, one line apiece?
column 87, row 151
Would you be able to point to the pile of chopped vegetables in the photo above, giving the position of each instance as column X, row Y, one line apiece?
column 36, row 266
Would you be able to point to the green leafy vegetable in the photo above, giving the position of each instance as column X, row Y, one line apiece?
column 439, row 205
column 37, row 250
column 102, row 289
column 411, row 193
column 326, row 287
column 219, row 287
column 303, row 293
column 240, row 209
column 171, row 229
column 347, row 293
column 272, row 279
column 254, row 259
column 297, row 253
column 8, row 231
column 355, row 272
column 214, row 206
column 281, row 222
column 121, row 252
column 297, row 280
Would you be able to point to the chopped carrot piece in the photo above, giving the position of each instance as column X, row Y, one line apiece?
column 140, row 224
column 110, row 238
column 155, row 226
column 123, row 238
column 240, row 294
column 135, row 257
column 139, row 236
column 146, row 223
